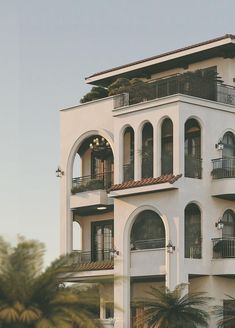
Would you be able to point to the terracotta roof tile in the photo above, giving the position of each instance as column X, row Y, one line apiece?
column 99, row 265
column 170, row 178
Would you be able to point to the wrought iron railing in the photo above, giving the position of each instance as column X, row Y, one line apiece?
column 226, row 94
column 193, row 251
column 148, row 244
column 223, row 247
column 92, row 182
column 216, row 92
column 193, row 167
column 223, row 168
column 128, row 172
column 92, row 256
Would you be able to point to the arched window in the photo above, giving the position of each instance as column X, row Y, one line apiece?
column 229, row 224
column 167, row 147
column 148, row 231
column 76, row 236
column 192, row 149
column 147, row 151
column 93, row 165
column 228, row 145
column 192, row 232
column 128, row 154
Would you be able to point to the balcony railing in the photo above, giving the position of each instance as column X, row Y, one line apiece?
column 193, row 167
column 216, row 92
column 128, row 172
column 148, row 244
column 92, row 182
column 223, row 168
column 80, row 257
column 223, row 247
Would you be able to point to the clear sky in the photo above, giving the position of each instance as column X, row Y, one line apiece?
column 47, row 48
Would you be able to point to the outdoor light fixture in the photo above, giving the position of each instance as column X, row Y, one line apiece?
column 170, row 248
column 59, row 172
column 219, row 145
column 219, row 225
column 101, row 148
column 113, row 252
column 101, row 208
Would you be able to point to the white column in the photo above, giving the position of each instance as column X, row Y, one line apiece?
column 178, row 146
column 175, row 270
column 118, row 158
column 137, row 154
column 156, row 152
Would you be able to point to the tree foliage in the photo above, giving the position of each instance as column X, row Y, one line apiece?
column 226, row 313
column 137, row 89
column 33, row 298
column 95, row 94
column 173, row 309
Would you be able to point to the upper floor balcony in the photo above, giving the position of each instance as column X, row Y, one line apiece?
column 223, row 168
column 223, row 247
column 223, row 262
column 94, row 161
column 204, row 89
column 223, row 175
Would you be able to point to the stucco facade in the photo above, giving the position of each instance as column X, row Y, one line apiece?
column 182, row 207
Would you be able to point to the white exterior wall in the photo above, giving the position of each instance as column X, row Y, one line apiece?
column 77, row 124
column 100, row 118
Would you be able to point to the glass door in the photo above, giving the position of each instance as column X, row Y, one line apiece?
column 102, row 240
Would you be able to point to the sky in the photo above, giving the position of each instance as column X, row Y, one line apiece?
column 48, row 47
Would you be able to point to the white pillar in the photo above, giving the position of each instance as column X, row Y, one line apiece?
column 156, row 152
column 137, row 154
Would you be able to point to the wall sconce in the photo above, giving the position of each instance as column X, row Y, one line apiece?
column 170, row 248
column 219, row 145
column 219, row 225
column 59, row 172
column 113, row 252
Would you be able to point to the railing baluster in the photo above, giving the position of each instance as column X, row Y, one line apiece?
column 223, row 168
column 223, row 247
column 92, row 182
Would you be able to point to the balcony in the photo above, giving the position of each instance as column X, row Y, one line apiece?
column 141, row 253
column 90, row 192
column 223, row 175
column 223, row 168
column 223, row 248
column 92, row 260
column 92, row 182
column 180, row 84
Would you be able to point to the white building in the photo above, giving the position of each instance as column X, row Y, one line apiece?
column 155, row 200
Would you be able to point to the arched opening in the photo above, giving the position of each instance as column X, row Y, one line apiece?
column 192, row 149
column 229, row 225
column 128, row 154
column 225, row 247
column 228, row 145
column 225, row 167
column 192, row 232
column 93, row 165
column 148, row 231
column 77, row 242
column 147, row 151
column 167, row 147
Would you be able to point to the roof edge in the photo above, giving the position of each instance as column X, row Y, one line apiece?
column 224, row 37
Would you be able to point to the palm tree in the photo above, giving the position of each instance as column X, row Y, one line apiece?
column 173, row 309
column 226, row 313
column 32, row 298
